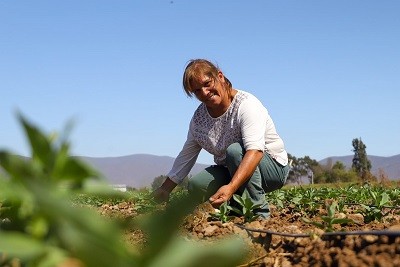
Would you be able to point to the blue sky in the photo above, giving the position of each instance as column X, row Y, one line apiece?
column 327, row 71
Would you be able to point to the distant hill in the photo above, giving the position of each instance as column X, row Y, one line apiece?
column 138, row 170
column 390, row 165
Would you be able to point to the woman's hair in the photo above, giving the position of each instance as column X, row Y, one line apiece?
column 198, row 67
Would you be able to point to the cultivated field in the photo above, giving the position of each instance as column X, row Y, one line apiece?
column 343, row 226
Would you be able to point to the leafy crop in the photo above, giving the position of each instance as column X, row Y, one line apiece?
column 222, row 214
column 40, row 226
column 329, row 220
column 247, row 207
column 375, row 211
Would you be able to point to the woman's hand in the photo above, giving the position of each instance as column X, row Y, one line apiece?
column 223, row 194
column 162, row 193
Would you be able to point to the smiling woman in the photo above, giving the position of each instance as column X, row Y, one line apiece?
column 237, row 130
column 209, row 85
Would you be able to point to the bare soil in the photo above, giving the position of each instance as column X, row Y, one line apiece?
column 277, row 250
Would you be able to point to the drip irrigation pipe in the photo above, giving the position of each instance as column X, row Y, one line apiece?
column 388, row 233
column 369, row 205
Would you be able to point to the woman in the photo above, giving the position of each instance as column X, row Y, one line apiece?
column 236, row 128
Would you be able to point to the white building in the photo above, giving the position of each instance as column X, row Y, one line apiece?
column 119, row 187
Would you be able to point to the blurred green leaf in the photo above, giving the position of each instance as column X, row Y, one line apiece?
column 19, row 245
column 182, row 253
column 16, row 167
column 40, row 226
column 40, row 144
column 161, row 226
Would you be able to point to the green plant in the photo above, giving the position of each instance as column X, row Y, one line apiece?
column 375, row 211
column 330, row 220
column 247, row 207
column 222, row 214
column 277, row 197
column 40, row 226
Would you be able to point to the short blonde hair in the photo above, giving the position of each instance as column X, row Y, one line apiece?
column 195, row 69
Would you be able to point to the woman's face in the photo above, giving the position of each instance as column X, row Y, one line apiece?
column 210, row 90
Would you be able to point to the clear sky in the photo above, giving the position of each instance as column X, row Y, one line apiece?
column 327, row 71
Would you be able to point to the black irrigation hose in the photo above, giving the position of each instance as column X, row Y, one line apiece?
column 377, row 233
column 369, row 205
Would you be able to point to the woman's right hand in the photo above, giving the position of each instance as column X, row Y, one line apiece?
column 161, row 195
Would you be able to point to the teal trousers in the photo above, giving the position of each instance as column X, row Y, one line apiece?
column 268, row 176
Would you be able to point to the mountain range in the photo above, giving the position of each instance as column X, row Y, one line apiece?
column 139, row 170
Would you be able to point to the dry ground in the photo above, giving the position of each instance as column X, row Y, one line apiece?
column 276, row 250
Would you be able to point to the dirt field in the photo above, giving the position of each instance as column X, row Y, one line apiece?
column 267, row 249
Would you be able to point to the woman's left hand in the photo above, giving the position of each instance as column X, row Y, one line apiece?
column 223, row 194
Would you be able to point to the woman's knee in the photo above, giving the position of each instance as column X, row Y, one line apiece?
column 195, row 185
column 196, row 190
column 234, row 152
column 209, row 179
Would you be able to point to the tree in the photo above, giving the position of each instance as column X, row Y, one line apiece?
column 335, row 173
column 339, row 166
column 302, row 167
column 361, row 164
